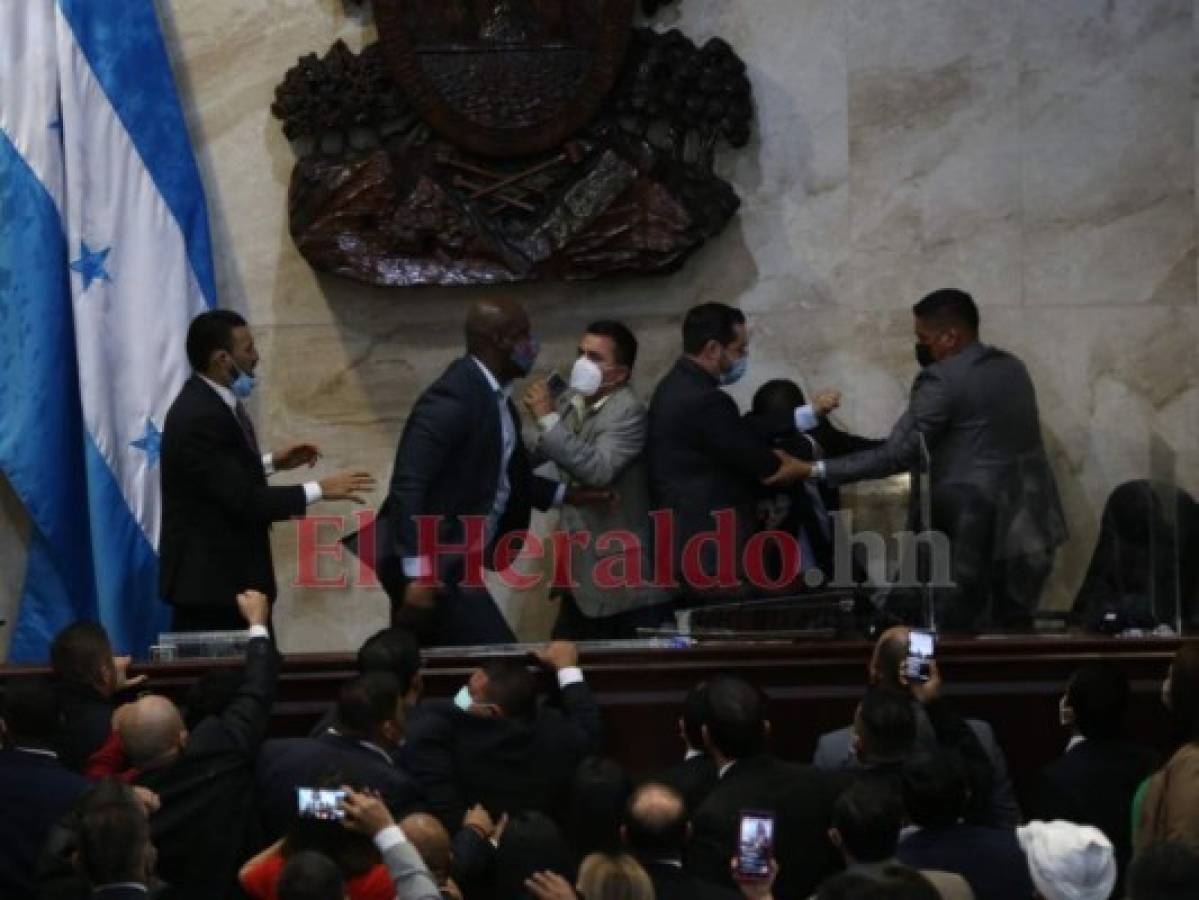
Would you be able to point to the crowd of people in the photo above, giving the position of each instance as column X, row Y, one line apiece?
column 504, row 791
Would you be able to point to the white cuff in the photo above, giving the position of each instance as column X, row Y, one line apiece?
column 818, row 471
column 806, row 418
column 257, row 631
column 560, row 494
column 268, row 463
column 389, row 837
column 570, row 675
column 417, row 567
column 312, row 492
column 548, row 421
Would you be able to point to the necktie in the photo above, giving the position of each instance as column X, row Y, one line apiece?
column 247, row 427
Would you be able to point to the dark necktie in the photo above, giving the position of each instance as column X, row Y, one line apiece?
column 247, row 427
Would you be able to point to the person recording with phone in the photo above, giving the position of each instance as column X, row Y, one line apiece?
column 595, row 431
column 904, row 664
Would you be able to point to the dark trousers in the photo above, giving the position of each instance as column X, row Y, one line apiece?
column 207, row 618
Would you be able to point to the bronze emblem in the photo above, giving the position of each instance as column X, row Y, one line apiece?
column 505, row 78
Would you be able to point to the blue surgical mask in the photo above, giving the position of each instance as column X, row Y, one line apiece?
column 736, row 372
column 243, row 384
column 463, row 699
column 524, row 354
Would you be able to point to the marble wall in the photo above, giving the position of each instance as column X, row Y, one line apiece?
column 1041, row 155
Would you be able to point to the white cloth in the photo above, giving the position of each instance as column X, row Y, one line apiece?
column 1068, row 861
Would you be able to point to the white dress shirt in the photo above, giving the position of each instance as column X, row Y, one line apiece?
column 312, row 489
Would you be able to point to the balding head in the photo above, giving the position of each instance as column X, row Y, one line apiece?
column 889, row 654
column 431, row 841
column 656, row 826
column 152, row 731
column 495, row 327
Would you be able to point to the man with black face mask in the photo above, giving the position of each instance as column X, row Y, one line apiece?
column 993, row 492
column 462, row 487
column 217, row 507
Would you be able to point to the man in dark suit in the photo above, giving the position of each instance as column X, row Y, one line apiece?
column 461, row 468
column 87, row 678
column 114, row 850
column 696, row 775
column 993, row 494
column 781, row 416
column 391, row 650
column 494, row 743
column 656, row 831
column 36, row 789
column 207, row 824
column 1093, row 782
column 752, row 779
column 360, row 749
column 705, row 463
column 217, row 508
column 935, row 794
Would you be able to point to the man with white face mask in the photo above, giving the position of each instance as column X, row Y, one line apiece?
column 595, row 432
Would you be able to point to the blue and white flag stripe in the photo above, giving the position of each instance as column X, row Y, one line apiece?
column 88, row 108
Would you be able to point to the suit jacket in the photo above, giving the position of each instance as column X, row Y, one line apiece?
column 702, row 459
column 409, row 873
column 990, row 859
column 673, row 882
column 604, row 448
column 993, row 491
column 86, row 723
column 447, row 464
column 508, row 765
column 1093, row 783
column 694, row 778
column 285, row 764
column 35, row 791
column 834, row 753
column 801, row 799
column 208, row 823
column 217, row 508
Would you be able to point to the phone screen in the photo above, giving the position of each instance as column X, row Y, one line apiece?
column 319, row 803
column 755, row 844
column 920, row 651
column 555, row 384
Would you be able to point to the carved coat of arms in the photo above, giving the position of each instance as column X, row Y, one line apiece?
column 486, row 141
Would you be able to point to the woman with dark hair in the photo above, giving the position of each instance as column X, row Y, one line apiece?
column 1169, row 806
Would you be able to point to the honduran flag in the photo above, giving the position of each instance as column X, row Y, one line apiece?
column 104, row 259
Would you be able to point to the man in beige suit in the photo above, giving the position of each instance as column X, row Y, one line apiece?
column 595, row 433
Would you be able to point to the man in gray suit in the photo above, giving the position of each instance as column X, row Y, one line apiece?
column 993, row 493
column 595, row 433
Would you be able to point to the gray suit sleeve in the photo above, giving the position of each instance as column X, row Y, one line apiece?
column 598, row 462
column 409, row 873
column 928, row 414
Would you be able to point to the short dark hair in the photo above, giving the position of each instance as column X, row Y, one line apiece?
column 736, row 717
column 868, row 815
column 948, row 306
column 80, row 652
column 1098, row 694
column 310, row 876
column 598, row 795
column 888, row 725
column 776, row 396
column 531, row 843
column 935, row 789
column 393, row 650
column 710, row 322
column 658, row 837
column 209, row 332
column 695, row 714
column 113, row 834
column 1164, row 871
column 31, row 711
column 366, row 702
column 624, row 344
column 511, row 687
